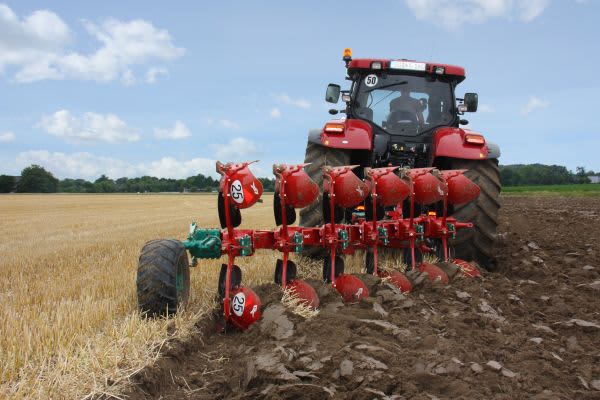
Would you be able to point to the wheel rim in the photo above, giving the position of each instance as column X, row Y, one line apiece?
column 179, row 282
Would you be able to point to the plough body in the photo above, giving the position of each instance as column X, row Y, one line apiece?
column 384, row 193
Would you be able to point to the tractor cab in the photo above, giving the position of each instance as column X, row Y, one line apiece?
column 404, row 102
column 405, row 113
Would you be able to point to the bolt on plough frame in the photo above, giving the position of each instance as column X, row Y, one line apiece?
column 390, row 200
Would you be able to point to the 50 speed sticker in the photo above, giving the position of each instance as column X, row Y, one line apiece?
column 237, row 191
column 238, row 304
column 371, row 80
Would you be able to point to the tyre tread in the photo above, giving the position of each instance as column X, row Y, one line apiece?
column 157, row 274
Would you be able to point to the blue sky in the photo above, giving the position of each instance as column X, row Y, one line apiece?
column 133, row 88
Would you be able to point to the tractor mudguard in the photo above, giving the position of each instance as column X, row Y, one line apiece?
column 354, row 134
column 314, row 136
column 493, row 150
column 451, row 142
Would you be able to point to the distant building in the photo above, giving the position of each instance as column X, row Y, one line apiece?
column 594, row 178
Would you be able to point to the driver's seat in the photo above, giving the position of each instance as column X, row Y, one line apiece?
column 411, row 105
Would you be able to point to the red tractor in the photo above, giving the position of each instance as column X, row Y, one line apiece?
column 405, row 113
column 426, row 186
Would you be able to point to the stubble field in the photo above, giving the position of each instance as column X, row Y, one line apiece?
column 69, row 326
column 68, row 321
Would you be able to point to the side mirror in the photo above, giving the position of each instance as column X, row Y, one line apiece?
column 333, row 93
column 471, row 100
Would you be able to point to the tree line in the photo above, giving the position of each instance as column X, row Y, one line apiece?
column 540, row 174
column 36, row 179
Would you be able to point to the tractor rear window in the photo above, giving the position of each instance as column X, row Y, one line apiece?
column 404, row 104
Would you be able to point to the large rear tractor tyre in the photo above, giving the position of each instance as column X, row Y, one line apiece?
column 319, row 156
column 479, row 243
column 163, row 278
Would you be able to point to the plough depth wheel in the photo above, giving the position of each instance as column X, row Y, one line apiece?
column 163, row 277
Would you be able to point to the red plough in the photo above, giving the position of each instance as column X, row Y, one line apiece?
column 386, row 193
column 391, row 208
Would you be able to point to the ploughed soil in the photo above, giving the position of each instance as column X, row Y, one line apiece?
column 531, row 330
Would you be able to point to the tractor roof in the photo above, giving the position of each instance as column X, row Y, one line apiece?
column 406, row 65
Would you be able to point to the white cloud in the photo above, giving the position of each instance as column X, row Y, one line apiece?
column 41, row 31
column 76, row 165
column 7, row 137
column 229, row 124
column 179, row 131
column 89, row 166
column 223, row 123
column 91, row 127
column 127, row 78
column 486, row 108
column 37, row 47
column 238, row 149
column 275, row 113
column 533, row 104
column 169, row 167
column 154, row 73
column 287, row 100
column 454, row 13
column 531, row 9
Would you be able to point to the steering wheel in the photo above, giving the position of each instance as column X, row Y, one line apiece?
column 402, row 120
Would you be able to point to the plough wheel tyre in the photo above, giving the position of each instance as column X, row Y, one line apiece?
column 163, row 278
column 319, row 156
column 290, row 273
column 478, row 244
column 339, row 268
column 235, row 281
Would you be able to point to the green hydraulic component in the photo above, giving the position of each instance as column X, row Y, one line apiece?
column 383, row 235
column 246, row 245
column 298, row 242
column 343, row 237
column 203, row 243
column 451, row 229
